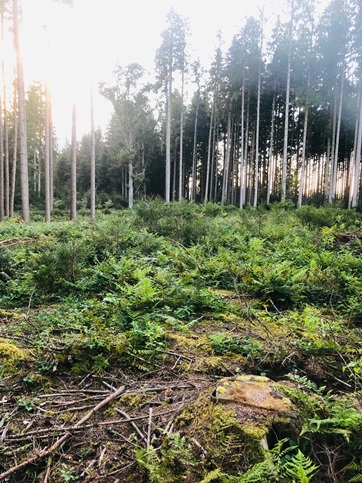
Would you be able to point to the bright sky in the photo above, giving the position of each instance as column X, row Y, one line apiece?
column 86, row 42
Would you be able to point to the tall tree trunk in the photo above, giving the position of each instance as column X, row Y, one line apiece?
column 2, row 186
column 73, row 175
column 352, row 159
column 47, row 154
column 256, row 178
column 130, row 184
column 357, row 169
column 194, row 152
column 224, row 194
column 168, row 133
column 286, row 121
column 180, row 181
column 24, row 177
column 242, row 159
column 93, row 163
column 51, row 156
column 271, row 151
column 6, row 129
column 208, row 165
column 15, row 150
column 302, row 167
column 332, row 190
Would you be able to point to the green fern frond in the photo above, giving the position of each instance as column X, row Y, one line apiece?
column 301, row 468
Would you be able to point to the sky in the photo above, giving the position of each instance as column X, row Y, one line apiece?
column 78, row 47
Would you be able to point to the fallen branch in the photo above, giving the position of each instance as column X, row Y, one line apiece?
column 48, row 451
column 134, row 425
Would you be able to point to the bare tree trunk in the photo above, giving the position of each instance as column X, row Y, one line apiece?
column 302, row 167
column 357, row 158
column 24, row 177
column 93, row 163
column 51, row 156
column 225, row 183
column 194, row 153
column 15, row 151
column 271, row 150
column 168, row 134
column 130, row 184
column 256, row 178
column 180, row 181
column 2, row 191
column 73, row 176
column 208, row 166
column 332, row 190
column 286, row 122
column 47, row 154
column 352, row 159
column 242, row 159
column 6, row 130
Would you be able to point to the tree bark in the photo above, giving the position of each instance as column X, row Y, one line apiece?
column 73, row 176
column 24, row 177
column 47, row 154
column 93, row 163
column 286, row 121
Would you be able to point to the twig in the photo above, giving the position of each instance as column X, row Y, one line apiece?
column 48, row 451
column 149, row 427
column 49, row 465
column 48, row 432
column 133, row 424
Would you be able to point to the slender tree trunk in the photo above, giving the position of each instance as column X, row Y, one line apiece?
column 24, row 177
column 15, row 150
column 6, row 131
column 130, row 184
column 332, row 190
column 246, row 153
column 180, row 181
column 47, row 154
column 51, row 156
column 256, row 178
column 194, row 152
column 271, row 150
column 357, row 169
column 73, row 176
column 302, row 167
column 242, row 159
column 286, row 121
column 168, row 133
column 2, row 186
column 208, row 165
column 93, row 163
column 224, row 194
column 352, row 159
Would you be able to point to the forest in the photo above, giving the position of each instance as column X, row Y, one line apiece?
column 180, row 296
column 275, row 118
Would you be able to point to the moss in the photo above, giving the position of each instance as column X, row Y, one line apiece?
column 10, row 355
column 231, row 442
column 134, row 400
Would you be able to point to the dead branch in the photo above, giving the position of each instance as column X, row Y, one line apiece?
column 131, row 420
column 48, row 451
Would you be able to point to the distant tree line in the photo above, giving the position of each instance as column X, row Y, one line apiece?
column 275, row 118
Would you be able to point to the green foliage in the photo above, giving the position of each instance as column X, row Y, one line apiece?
column 171, row 463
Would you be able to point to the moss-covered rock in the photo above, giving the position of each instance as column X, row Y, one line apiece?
column 10, row 355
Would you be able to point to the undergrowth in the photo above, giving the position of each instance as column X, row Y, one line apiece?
column 280, row 289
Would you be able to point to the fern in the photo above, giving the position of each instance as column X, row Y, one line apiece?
column 357, row 468
column 301, row 468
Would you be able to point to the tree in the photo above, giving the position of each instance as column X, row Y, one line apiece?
column 73, row 175
column 131, row 109
column 93, row 163
column 24, row 177
column 170, row 57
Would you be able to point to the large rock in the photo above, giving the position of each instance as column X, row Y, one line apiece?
column 256, row 391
